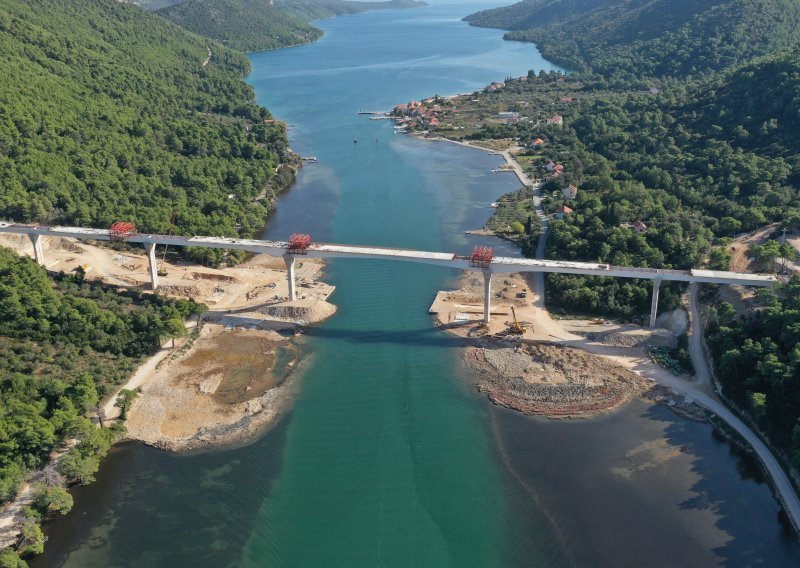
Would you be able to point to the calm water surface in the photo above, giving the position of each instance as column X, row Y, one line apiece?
column 388, row 458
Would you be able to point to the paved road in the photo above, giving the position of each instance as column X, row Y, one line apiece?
column 783, row 485
column 701, row 391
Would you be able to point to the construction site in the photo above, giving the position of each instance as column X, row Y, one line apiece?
column 232, row 376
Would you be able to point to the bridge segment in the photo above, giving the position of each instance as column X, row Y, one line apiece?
column 488, row 266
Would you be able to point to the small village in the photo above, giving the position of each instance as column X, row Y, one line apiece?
column 497, row 118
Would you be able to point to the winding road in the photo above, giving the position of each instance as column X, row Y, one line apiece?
column 781, row 481
column 701, row 390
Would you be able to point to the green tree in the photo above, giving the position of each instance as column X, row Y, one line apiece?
column 174, row 328
column 124, row 401
column 10, row 559
column 53, row 499
column 77, row 467
column 31, row 539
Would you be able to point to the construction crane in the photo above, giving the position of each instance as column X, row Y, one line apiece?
column 515, row 328
column 161, row 265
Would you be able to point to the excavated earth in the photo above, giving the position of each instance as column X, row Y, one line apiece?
column 551, row 380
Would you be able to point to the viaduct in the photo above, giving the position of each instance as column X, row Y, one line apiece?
column 481, row 258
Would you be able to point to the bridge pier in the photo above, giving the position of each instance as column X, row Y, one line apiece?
column 487, row 295
column 289, row 260
column 654, row 303
column 153, row 263
column 38, row 254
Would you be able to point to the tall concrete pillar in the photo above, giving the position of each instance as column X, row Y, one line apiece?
column 654, row 303
column 487, row 295
column 289, row 260
column 151, row 260
column 38, row 254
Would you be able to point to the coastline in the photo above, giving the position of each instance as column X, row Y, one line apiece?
column 251, row 297
column 197, row 399
column 691, row 398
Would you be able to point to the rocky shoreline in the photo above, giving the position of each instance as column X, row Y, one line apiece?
column 225, row 390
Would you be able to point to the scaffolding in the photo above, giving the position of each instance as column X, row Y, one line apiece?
column 299, row 243
column 121, row 231
column 481, row 257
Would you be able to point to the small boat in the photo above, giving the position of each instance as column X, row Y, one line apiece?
column 495, row 204
column 355, row 141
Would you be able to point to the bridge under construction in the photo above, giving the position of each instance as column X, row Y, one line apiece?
column 299, row 245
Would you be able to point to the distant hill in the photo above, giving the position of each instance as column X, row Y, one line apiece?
column 254, row 25
column 650, row 37
column 244, row 25
column 107, row 112
column 318, row 9
column 532, row 13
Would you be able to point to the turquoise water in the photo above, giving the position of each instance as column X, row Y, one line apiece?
column 388, row 457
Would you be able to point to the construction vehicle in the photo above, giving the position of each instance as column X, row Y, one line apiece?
column 515, row 328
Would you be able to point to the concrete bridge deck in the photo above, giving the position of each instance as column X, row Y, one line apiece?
column 323, row 250
column 452, row 260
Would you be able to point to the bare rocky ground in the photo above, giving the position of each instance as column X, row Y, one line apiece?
column 225, row 389
column 551, row 380
column 567, row 368
column 188, row 395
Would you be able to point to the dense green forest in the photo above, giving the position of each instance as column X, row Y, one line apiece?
column 255, row 25
column 656, row 158
column 635, row 38
column 684, row 116
column 107, row 112
column 152, row 4
column 757, row 359
column 64, row 345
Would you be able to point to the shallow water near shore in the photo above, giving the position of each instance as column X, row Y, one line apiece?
column 388, row 457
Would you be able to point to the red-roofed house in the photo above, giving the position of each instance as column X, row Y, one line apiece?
column 538, row 143
column 562, row 211
column 556, row 120
column 639, row 227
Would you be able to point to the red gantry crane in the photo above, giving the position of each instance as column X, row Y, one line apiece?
column 121, row 231
column 481, row 257
column 299, row 243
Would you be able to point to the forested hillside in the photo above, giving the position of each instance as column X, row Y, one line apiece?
column 634, row 38
column 255, row 25
column 680, row 130
column 64, row 345
column 757, row 359
column 532, row 13
column 244, row 25
column 317, row 9
column 107, row 112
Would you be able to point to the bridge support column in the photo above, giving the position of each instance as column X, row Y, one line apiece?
column 38, row 254
column 487, row 295
column 289, row 260
column 151, row 260
column 654, row 303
